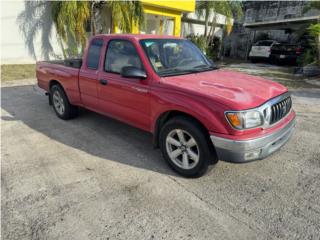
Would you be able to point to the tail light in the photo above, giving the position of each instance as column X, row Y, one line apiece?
column 298, row 50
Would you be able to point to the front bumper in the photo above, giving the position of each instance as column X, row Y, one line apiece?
column 253, row 149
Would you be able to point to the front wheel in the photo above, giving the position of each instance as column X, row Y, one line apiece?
column 186, row 147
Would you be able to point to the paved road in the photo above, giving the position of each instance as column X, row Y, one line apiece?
column 96, row 178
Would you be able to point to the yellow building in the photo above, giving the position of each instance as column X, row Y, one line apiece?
column 163, row 17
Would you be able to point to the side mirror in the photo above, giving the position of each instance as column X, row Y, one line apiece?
column 133, row 72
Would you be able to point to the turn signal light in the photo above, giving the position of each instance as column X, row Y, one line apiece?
column 235, row 119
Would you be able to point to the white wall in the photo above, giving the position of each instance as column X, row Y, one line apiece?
column 220, row 19
column 198, row 29
column 13, row 48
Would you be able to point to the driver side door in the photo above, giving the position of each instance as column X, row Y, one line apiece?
column 122, row 98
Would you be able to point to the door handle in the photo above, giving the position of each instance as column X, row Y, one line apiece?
column 103, row 81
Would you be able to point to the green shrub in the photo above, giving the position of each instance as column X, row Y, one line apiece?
column 200, row 41
column 312, row 54
column 211, row 50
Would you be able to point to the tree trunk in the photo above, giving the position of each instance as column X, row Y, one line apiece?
column 206, row 26
column 62, row 47
column 318, row 49
column 111, row 23
column 213, row 29
column 221, row 47
column 93, row 19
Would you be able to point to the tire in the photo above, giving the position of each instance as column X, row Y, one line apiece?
column 253, row 60
column 58, row 97
column 188, row 128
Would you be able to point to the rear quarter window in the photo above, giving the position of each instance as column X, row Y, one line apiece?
column 94, row 53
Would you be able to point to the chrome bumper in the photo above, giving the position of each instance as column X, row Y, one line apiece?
column 253, row 149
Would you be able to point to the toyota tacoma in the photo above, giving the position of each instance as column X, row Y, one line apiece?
column 198, row 114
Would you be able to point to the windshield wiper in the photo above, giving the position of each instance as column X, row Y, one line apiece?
column 175, row 70
column 205, row 66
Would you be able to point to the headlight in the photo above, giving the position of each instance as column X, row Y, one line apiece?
column 244, row 119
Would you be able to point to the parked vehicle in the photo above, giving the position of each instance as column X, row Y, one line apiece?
column 165, row 85
column 261, row 50
column 285, row 53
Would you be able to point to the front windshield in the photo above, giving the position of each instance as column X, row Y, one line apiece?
column 175, row 56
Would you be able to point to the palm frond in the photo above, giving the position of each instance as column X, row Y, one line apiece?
column 34, row 19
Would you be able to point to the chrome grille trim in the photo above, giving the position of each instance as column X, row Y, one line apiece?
column 268, row 112
column 280, row 109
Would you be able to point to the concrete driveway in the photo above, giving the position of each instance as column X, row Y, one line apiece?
column 96, row 178
column 282, row 74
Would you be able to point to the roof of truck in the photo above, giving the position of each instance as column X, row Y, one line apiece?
column 137, row 36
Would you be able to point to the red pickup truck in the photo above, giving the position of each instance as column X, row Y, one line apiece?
column 165, row 85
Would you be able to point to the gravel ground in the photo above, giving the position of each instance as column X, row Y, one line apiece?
column 96, row 178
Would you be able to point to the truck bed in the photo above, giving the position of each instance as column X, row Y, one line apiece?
column 72, row 62
column 66, row 72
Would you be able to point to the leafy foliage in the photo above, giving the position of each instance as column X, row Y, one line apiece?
column 206, row 9
column 125, row 14
column 209, row 10
column 211, row 51
column 70, row 19
column 314, row 31
column 200, row 41
column 35, row 19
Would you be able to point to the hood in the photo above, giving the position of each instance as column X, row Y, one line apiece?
column 234, row 89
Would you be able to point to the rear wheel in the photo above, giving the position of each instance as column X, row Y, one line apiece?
column 61, row 104
column 185, row 147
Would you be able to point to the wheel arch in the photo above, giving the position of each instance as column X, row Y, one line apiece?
column 53, row 82
column 166, row 116
column 50, row 85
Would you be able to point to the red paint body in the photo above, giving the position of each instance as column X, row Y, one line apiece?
column 205, row 95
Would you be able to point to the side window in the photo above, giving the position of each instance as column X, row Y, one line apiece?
column 94, row 54
column 121, row 53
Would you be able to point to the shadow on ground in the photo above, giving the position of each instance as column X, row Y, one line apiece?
column 90, row 132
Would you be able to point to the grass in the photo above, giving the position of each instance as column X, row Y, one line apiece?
column 17, row 71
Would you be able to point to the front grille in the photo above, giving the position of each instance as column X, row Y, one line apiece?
column 280, row 109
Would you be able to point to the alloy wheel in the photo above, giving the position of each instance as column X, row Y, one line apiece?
column 182, row 149
column 58, row 103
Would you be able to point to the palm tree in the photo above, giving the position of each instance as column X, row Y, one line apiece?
column 124, row 14
column 207, row 9
column 69, row 17
column 36, row 18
